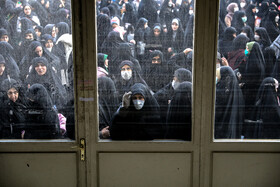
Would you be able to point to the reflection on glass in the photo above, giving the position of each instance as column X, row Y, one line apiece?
column 36, row 70
column 247, row 75
column 145, row 69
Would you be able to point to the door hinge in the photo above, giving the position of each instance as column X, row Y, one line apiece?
column 83, row 148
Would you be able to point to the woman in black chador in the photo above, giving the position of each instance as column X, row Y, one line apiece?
column 43, row 73
column 238, row 21
column 127, row 76
column 155, row 71
column 108, row 104
column 271, row 25
column 225, row 44
column 6, row 72
column 7, row 51
column 267, row 110
column 179, row 116
column 270, row 61
column 148, row 9
column 12, row 110
column 253, row 75
column 261, row 36
column 103, row 27
column 42, row 116
column 250, row 13
column 229, row 105
column 138, row 118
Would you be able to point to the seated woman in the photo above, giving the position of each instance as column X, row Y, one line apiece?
column 138, row 118
column 179, row 116
column 43, row 122
column 12, row 110
column 42, row 73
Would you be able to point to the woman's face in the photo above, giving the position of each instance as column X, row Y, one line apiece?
column 27, row 10
column 12, row 94
column 41, row 69
column 156, row 60
column 156, row 32
column 138, row 97
column 54, row 31
column 2, row 69
column 29, row 36
column 175, row 26
column 4, row 38
column 126, row 68
column 39, row 51
column 49, row 44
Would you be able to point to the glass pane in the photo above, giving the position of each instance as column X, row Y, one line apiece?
column 36, row 70
column 145, row 69
column 247, row 75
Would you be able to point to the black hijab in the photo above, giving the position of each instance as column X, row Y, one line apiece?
column 225, row 44
column 237, row 22
column 103, row 28
column 270, row 61
column 229, row 106
column 63, row 28
column 250, row 16
column 179, row 116
column 156, row 75
column 271, row 26
column 133, row 124
column 6, row 50
column 129, row 15
column 267, row 110
column 249, row 32
column 264, row 38
column 148, row 9
column 107, row 99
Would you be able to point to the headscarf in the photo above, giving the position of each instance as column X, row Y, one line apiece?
column 179, row 116
column 229, row 106
column 264, row 38
column 225, row 44
column 270, row 61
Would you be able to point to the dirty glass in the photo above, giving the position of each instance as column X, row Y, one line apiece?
column 145, row 69
column 36, row 70
column 247, row 76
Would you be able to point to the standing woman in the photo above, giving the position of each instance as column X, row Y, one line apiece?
column 167, row 12
column 12, row 110
column 138, row 118
column 229, row 109
column 179, row 115
column 225, row 44
column 261, row 36
column 231, row 8
column 127, row 76
column 42, row 116
column 129, row 15
column 239, row 21
column 267, row 110
column 270, row 61
column 29, row 14
column 148, row 9
column 103, row 27
column 271, row 25
column 175, row 38
column 42, row 73
column 250, row 13
column 141, row 34
column 156, row 39
column 253, row 75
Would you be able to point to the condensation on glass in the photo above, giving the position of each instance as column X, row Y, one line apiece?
column 145, row 69
column 247, row 74
column 36, row 70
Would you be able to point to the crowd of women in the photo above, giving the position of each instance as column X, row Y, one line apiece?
column 145, row 65
column 36, row 82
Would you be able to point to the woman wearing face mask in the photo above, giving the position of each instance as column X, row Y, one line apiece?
column 231, row 8
column 167, row 12
column 250, row 13
column 271, row 25
column 262, row 38
column 12, row 110
column 253, row 75
column 267, row 110
column 229, row 108
column 239, row 21
column 126, row 77
column 138, row 118
column 164, row 95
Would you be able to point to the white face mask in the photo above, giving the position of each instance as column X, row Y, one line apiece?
column 191, row 12
column 257, row 37
column 257, row 10
column 126, row 75
column 242, row 5
column 175, row 84
column 49, row 49
column 138, row 104
column 276, row 19
column 236, row 9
